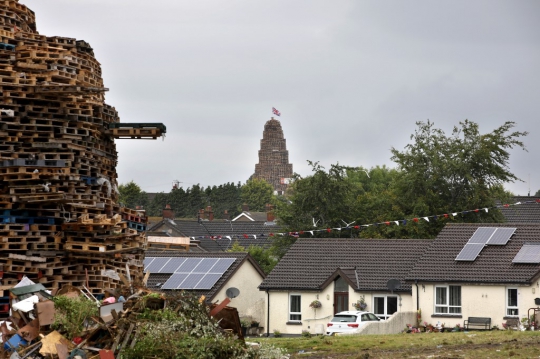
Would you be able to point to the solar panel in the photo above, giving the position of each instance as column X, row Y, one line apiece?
column 482, row 234
column 189, row 273
column 172, row 265
column 156, row 264
column 188, row 265
column 174, row 281
column 191, row 281
column 147, row 261
column 501, row 236
column 208, row 281
column 470, row 252
column 222, row 265
column 529, row 253
column 205, row 265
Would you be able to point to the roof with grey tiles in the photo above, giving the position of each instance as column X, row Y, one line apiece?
column 251, row 216
column 527, row 211
column 240, row 258
column 310, row 264
column 493, row 264
column 257, row 233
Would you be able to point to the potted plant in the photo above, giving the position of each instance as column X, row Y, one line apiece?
column 254, row 324
column 316, row 304
column 360, row 304
column 244, row 323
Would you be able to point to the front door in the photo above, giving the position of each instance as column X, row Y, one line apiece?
column 341, row 302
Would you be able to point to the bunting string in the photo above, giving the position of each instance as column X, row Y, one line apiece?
column 350, row 226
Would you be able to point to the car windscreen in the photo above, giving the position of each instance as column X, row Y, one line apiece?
column 344, row 318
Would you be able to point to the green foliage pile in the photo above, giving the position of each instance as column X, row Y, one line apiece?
column 183, row 330
column 73, row 314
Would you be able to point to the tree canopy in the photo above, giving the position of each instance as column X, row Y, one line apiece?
column 257, row 193
column 132, row 196
column 440, row 174
column 435, row 174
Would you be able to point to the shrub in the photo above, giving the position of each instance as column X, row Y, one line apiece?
column 72, row 314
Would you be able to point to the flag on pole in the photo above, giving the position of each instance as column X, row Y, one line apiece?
column 276, row 112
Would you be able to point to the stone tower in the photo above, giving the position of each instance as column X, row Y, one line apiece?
column 274, row 166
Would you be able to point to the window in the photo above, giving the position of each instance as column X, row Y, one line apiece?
column 448, row 300
column 385, row 306
column 295, row 312
column 512, row 302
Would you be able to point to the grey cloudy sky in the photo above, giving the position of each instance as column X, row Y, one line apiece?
column 350, row 78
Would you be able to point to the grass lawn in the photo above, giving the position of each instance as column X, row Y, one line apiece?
column 474, row 344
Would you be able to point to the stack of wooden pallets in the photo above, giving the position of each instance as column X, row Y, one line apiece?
column 60, row 220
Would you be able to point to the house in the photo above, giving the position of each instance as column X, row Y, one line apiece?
column 218, row 235
column 478, row 270
column 210, row 274
column 522, row 209
column 339, row 272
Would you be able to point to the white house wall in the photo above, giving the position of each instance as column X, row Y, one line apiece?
column 315, row 321
column 476, row 301
column 251, row 302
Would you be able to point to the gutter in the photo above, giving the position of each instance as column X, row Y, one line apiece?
column 268, row 314
column 417, row 295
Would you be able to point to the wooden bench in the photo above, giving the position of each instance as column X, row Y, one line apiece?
column 477, row 323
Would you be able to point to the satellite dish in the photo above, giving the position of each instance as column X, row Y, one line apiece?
column 393, row 284
column 232, row 292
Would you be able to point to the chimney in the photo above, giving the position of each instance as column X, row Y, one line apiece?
column 245, row 207
column 200, row 215
column 168, row 212
column 270, row 213
column 226, row 215
column 209, row 214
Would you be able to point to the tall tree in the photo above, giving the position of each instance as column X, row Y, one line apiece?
column 132, row 196
column 257, row 193
column 441, row 174
column 324, row 199
column 262, row 256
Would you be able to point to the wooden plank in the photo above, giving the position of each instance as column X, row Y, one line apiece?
column 30, row 331
column 45, row 312
column 124, row 343
column 106, row 354
column 117, row 340
column 62, row 351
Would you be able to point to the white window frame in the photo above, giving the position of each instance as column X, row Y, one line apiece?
column 291, row 313
column 446, row 308
column 385, row 315
column 508, row 306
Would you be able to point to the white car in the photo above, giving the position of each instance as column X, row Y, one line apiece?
column 349, row 321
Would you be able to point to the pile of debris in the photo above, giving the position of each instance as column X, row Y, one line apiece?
column 60, row 220
column 73, row 323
